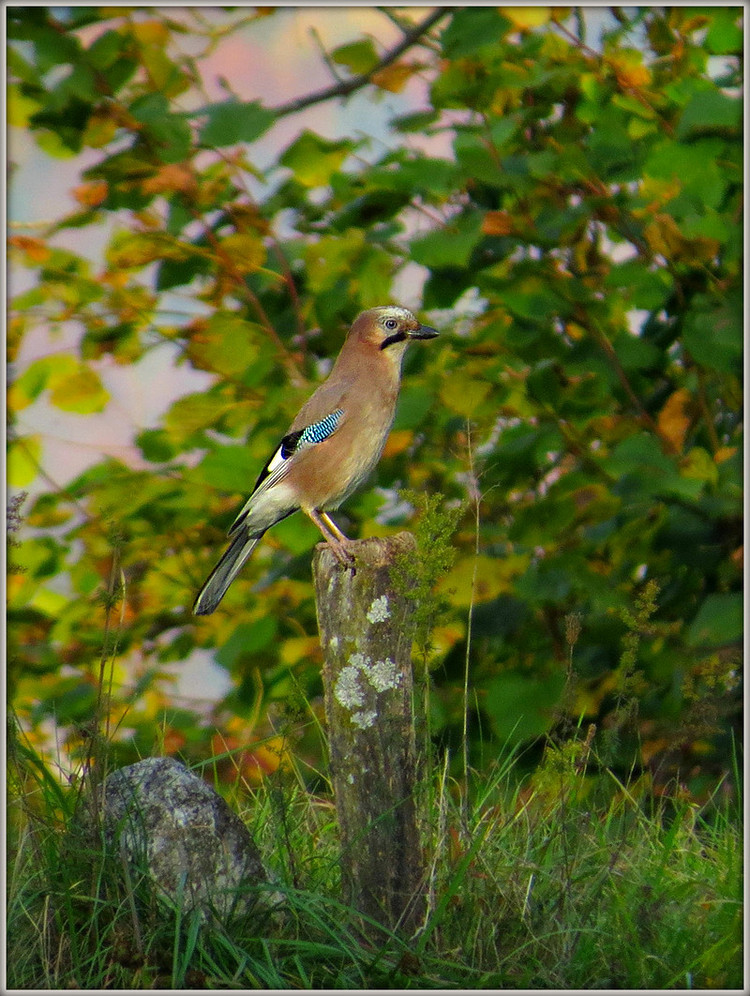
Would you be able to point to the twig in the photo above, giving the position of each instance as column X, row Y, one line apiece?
column 609, row 351
column 325, row 56
column 473, row 488
column 345, row 87
column 241, row 284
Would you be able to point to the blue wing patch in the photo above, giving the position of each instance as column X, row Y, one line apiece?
column 319, row 431
column 301, row 439
column 275, row 469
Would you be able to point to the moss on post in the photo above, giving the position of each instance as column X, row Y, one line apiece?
column 366, row 630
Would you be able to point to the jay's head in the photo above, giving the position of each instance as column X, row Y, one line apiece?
column 389, row 329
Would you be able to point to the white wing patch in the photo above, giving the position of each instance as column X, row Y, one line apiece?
column 278, row 466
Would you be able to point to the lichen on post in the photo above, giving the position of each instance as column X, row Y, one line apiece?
column 366, row 630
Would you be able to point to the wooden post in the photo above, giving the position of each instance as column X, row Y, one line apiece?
column 366, row 633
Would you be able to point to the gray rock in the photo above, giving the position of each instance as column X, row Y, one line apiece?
column 164, row 819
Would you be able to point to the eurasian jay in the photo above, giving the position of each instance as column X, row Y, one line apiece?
column 330, row 448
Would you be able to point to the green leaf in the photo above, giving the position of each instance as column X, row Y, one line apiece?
column 73, row 385
column 418, row 174
column 246, row 640
column 171, row 132
column 645, row 288
column 359, row 57
column 720, row 620
column 642, row 470
column 24, row 460
column 710, row 111
column 106, row 49
column 313, row 159
column 226, row 344
column 452, row 245
column 414, row 403
column 419, row 121
column 478, row 161
column 232, row 122
column 531, row 298
column 60, row 145
column 27, row 388
column 233, row 469
column 192, row 413
column 521, row 707
column 472, row 29
column 155, row 446
column 724, row 34
column 713, row 333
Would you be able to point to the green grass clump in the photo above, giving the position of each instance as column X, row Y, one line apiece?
column 566, row 882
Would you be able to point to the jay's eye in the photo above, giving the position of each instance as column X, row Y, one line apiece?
column 391, row 323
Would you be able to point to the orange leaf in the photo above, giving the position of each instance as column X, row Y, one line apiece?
column 674, row 419
column 174, row 740
column 629, row 69
column 398, row 441
column 724, row 453
column 91, row 195
column 174, row 178
column 35, row 250
column 497, row 223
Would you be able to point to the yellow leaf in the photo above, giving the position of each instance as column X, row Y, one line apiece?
column 444, row 638
column 100, row 129
column 300, row 648
column 131, row 250
column 151, row 32
column 78, row 391
column 698, row 465
column 674, row 418
column 575, row 331
column 638, row 128
column 394, row 77
column 247, row 252
column 20, row 107
column 464, row 395
column 24, row 458
column 494, row 576
column 526, row 18
column 665, row 238
column 659, row 190
column 50, row 603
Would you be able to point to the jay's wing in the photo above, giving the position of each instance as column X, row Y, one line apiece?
column 277, row 468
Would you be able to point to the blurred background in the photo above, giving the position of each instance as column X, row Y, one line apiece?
column 200, row 202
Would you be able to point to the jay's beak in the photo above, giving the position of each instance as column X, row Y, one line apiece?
column 422, row 332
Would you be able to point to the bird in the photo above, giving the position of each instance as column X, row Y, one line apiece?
column 330, row 448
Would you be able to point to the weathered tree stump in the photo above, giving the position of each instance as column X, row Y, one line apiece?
column 366, row 632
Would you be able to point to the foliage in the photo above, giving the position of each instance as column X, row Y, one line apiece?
column 573, row 209
column 561, row 886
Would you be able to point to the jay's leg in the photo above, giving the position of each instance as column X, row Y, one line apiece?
column 334, row 528
column 332, row 535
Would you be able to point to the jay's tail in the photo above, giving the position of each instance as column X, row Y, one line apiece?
column 224, row 573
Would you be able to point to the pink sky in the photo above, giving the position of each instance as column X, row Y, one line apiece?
column 256, row 64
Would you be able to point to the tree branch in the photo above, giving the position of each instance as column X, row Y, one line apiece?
column 345, row 87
